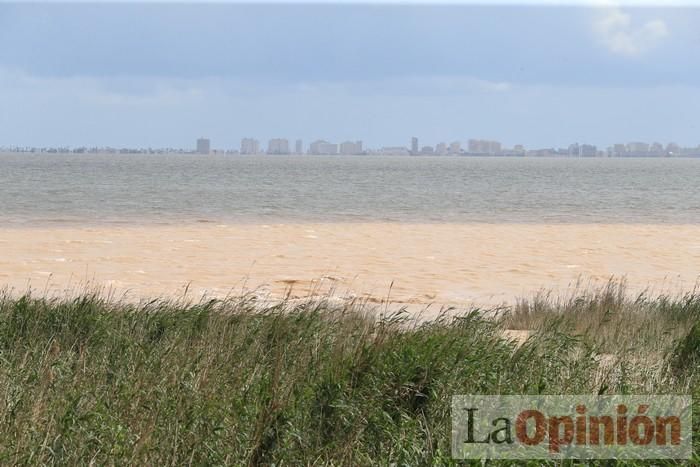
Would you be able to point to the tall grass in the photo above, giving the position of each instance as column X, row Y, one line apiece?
column 238, row 382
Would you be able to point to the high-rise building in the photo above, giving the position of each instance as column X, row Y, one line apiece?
column 414, row 145
column 441, row 149
column 588, row 150
column 203, row 146
column 278, row 146
column 350, row 148
column 299, row 147
column 455, row 147
column 574, row 150
column 657, row 149
column 637, row 147
column 250, row 146
column 480, row 146
column 323, row 147
column 619, row 150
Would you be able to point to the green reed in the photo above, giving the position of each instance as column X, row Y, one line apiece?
column 91, row 380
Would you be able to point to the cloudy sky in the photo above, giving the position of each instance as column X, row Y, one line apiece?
column 158, row 74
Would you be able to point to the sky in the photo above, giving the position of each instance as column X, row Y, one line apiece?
column 162, row 74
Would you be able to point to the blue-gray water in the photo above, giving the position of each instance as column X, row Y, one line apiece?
column 183, row 188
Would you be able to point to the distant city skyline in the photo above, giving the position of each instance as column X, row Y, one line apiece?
column 473, row 147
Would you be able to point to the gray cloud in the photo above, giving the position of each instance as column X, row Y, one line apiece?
column 616, row 30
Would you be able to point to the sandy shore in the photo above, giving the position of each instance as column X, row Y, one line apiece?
column 438, row 263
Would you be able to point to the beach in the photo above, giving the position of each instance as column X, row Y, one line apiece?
column 446, row 264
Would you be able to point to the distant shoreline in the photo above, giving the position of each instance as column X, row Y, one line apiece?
column 694, row 155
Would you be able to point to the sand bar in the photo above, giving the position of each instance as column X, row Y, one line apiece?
column 427, row 263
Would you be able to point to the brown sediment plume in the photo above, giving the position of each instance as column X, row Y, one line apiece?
column 427, row 263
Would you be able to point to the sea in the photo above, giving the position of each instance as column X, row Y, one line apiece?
column 57, row 189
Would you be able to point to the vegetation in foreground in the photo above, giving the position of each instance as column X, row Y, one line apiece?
column 237, row 382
